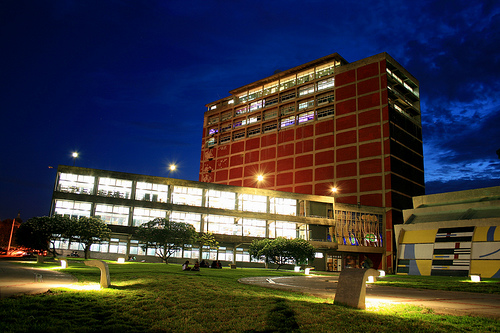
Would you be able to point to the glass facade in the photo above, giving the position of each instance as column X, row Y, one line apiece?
column 224, row 211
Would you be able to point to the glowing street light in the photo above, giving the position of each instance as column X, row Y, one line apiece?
column 74, row 155
column 171, row 167
column 260, row 178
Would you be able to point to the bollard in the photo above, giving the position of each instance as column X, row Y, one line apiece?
column 351, row 288
column 105, row 279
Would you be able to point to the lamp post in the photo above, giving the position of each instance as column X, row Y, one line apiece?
column 74, row 155
column 334, row 229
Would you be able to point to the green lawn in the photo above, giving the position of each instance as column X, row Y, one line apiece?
column 162, row 298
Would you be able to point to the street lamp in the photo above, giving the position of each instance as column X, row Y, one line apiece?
column 171, row 168
column 74, row 155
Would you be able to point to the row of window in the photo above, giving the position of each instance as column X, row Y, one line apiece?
column 270, row 114
column 271, row 126
column 180, row 195
column 274, row 100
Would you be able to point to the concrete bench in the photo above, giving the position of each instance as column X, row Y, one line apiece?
column 351, row 288
column 103, row 267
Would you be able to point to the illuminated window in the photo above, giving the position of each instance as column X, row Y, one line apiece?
column 79, row 184
column 327, row 69
column 242, row 98
column 306, row 104
column 256, row 105
column 241, row 111
column 213, row 107
column 253, row 203
column 239, row 122
column 287, row 83
column 254, row 94
column 288, row 121
column 221, row 199
column 283, row 229
column 72, row 208
column 117, row 188
column 225, row 225
column 270, row 88
column 191, row 218
column 112, row 214
column 151, row 192
column 143, row 215
column 187, row 196
column 306, row 90
column 211, row 142
column 325, row 84
column 305, row 76
column 213, row 130
column 305, row 117
column 254, row 228
column 283, row 206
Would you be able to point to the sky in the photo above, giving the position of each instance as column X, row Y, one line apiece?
column 125, row 82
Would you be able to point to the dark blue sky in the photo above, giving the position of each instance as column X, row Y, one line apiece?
column 125, row 83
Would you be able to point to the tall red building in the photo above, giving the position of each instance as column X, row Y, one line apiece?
column 355, row 126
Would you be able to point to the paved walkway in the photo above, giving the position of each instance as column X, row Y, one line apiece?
column 18, row 279
column 445, row 302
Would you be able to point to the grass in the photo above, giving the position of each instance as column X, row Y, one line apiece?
column 487, row 286
column 162, row 298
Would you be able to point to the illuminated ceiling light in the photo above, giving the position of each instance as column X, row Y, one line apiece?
column 260, row 178
column 334, row 190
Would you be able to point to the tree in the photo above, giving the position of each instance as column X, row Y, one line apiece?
column 281, row 251
column 208, row 239
column 40, row 233
column 88, row 231
column 165, row 236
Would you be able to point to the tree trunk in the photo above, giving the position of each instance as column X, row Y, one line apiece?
column 87, row 251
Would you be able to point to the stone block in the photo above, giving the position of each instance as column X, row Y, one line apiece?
column 103, row 267
column 351, row 288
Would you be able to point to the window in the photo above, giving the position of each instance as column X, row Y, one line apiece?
column 326, row 69
column 290, row 108
column 253, row 203
column 72, row 208
column 242, row 98
column 211, row 142
column 252, row 119
column 269, row 127
column 226, row 115
column 213, row 107
column 254, row 131
column 254, row 94
column 270, row 88
column 221, row 199
column 239, row 122
column 151, row 192
column 325, row 84
column 323, row 99
column 305, row 76
column 79, row 184
column 117, row 188
column 305, row 117
column 270, row 114
column 288, row 121
column 112, row 214
column 254, row 228
column 238, row 135
column 186, row 196
column 213, row 120
column 288, row 96
column 213, row 130
column 241, row 110
column 327, row 112
column 225, row 225
column 256, row 105
column 306, row 90
column 287, row 83
column 306, row 104
column 283, row 206
column 143, row 215
column 270, row 101
column 225, row 139
column 190, row 218
column 283, row 229
column 225, row 127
